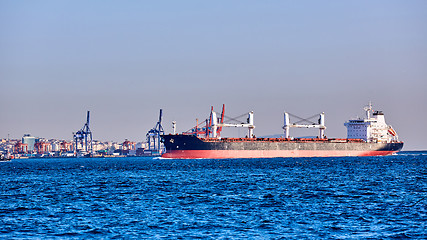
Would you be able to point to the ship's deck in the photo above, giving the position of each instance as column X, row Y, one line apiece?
column 280, row 140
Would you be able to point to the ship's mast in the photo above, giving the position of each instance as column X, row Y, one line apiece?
column 368, row 109
column 174, row 127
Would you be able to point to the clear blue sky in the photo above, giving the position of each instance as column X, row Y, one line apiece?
column 124, row 60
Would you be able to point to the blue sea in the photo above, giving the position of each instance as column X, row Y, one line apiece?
column 154, row 198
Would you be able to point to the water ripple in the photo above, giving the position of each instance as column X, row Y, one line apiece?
column 306, row 198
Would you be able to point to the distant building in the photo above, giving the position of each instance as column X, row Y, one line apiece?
column 56, row 146
column 30, row 141
column 42, row 147
column 20, row 148
column 141, row 145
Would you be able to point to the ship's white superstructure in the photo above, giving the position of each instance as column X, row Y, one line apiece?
column 372, row 128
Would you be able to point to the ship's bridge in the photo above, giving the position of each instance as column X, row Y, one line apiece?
column 370, row 129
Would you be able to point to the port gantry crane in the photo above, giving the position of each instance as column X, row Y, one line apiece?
column 83, row 139
column 154, row 137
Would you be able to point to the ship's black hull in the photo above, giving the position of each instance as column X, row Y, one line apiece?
column 190, row 146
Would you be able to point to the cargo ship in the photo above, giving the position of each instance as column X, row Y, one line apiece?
column 369, row 136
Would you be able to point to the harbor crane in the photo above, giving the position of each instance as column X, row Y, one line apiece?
column 83, row 139
column 155, row 145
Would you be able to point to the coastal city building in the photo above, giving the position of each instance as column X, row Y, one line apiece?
column 30, row 146
column 30, row 141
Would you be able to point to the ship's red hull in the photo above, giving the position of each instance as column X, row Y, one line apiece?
column 269, row 153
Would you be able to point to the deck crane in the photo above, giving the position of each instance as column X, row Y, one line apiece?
column 207, row 130
column 215, row 127
column 309, row 124
column 83, row 138
column 155, row 145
